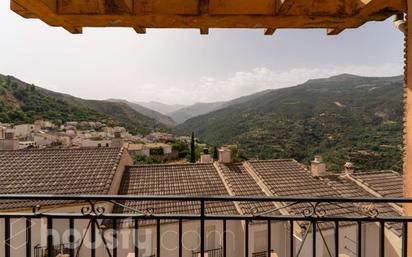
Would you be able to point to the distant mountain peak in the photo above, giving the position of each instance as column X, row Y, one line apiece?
column 344, row 76
column 335, row 78
column 161, row 107
column 163, row 119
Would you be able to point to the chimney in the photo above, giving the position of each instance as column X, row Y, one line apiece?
column 225, row 154
column 205, row 156
column 318, row 167
column 348, row 168
column 10, row 142
column 117, row 141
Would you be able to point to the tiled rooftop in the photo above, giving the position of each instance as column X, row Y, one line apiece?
column 241, row 183
column 57, row 171
column 290, row 178
column 280, row 177
column 348, row 188
column 183, row 179
column 91, row 171
column 385, row 183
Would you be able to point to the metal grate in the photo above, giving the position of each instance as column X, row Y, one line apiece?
column 312, row 218
column 210, row 253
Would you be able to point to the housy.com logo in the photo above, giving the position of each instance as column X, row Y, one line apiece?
column 109, row 239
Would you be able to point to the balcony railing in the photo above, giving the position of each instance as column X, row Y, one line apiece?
column 262, row 254
column 311, row 214
column 60, row 249
column 218, row 252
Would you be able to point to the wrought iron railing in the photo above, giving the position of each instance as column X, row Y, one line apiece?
column 262, row 254
column 60, row 249
column 309, row 213
column 218, row 252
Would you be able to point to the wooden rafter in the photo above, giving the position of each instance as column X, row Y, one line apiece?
column 139, row 30
column 334, row 15
column 204, row 6
column 121, row 6
column 21, row 10
column 369, row 9
column 269, row 31
column 47, row 11
column 95, row 6
column 212, row 21
column 204, row 31
column 285, row 6
column 334, row 31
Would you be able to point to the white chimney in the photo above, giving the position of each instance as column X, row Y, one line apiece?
column 225, row 154
column 348, row 168
column 318, row 167
column 205, row 156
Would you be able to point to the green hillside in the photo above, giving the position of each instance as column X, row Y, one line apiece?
column 342, row 118
column 22, row 103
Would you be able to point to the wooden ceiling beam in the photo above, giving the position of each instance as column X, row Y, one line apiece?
column 204, row 31
column 15, row 7
column 204, row 6
column 76, row 14
column 46, row 10
column 210, row 21
column 118, row 6
column 139, row 30
column 334, row 31
column 95, row 7
column 284, row 6
column 369, row 9
column 269, row 31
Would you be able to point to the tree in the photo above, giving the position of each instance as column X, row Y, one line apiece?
column 145, row 160
column 215, row 155
column 182, row 148
column 157, row 151
column 192, row 149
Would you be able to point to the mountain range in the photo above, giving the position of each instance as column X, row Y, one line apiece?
column 185, row 113
column 344, row 118
column 161, row 107
column 161, row 118
column 21, row 102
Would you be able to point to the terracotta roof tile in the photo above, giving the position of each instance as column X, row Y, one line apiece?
column 385, row 183
column 241, row 183
column 183, row 179
column 289, row 178
column 57, row 171
column 348, row 188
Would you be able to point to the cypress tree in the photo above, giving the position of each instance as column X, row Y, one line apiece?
column 192, row 149
column 215, row 156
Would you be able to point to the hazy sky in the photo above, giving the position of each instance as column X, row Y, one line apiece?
column 181, row 66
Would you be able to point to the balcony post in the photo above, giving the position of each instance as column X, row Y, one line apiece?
column 408, row 121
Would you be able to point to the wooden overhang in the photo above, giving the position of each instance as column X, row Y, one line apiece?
column 333, row 15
